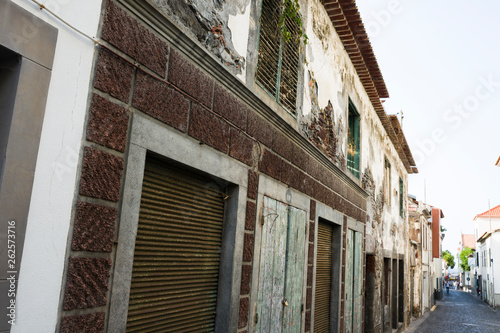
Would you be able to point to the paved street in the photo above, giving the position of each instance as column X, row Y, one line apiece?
column 458, row 312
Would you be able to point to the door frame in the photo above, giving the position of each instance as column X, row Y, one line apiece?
column 148, row 135
column 280, row 192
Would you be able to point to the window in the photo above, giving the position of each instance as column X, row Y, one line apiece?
column 353, row 137
column 387, row 183
column 401, row 190
column 278, row 60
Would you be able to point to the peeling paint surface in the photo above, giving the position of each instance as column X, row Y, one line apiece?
column 208, row 22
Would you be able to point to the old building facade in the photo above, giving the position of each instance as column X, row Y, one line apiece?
column 211, row 175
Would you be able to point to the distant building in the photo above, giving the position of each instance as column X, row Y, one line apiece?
column 426, row 267
column 487, row 230
column 468, row 240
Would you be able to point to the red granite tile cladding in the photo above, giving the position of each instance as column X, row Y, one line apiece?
column 231, row 108
column 108, row 124
column 248, row 248
column 260, row 129
column 113, row 75
column 94, row 227
column 292, row 176
column 190, row 79
column 300, row 158
column 311, row 231
column 241, row 147
column 250, row 215
column 101, row 175
column 282, row 145
column 272, row 165
column 308, row 298
column 246, row 277
column 209, row 129
column 87, row 283
column 308, row 321
column 309, row 276
column 160, row 101
column 253, row 184
column 312, row 210
column 243, row 314
column 310, row 259
column 134, row 39
column 87, row 323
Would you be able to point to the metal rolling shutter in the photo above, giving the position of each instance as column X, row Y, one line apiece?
column 323, row 278
column 177, row 252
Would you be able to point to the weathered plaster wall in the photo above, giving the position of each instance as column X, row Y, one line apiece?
column 331, row 80
column 221, row 26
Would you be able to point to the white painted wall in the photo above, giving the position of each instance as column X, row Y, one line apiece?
column 482, row 224
column 52, row 200
column 239, row 23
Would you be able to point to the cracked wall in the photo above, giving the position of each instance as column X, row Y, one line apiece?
column 212, row 23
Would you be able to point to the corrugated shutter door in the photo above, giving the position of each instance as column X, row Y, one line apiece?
column 177, row 252
column 323, row 278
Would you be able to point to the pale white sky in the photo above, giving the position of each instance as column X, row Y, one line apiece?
column 441, row 64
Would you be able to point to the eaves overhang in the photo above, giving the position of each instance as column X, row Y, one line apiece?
column 347, row 22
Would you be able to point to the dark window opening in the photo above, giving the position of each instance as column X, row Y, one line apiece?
column 401, row 190
column 387, row 182
column 353, row 142
column 278, row 60
column 10, row 65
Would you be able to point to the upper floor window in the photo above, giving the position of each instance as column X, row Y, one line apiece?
column 387, row 182
column 353, row 140
column 278, row 60
column 401, row 190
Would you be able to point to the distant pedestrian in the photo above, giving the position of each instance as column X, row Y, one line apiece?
column 447, row 287
column 461, row 285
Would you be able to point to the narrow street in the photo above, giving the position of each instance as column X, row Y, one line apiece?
column 458, row 312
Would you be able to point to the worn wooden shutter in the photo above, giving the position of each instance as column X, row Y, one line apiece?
column 269, row 46
column 289, row 73
column 294, row 269
column 278, row 60
column 281, row 270
column 322, row 295
column 357, row 282
column 177, row 252
column 349, row 270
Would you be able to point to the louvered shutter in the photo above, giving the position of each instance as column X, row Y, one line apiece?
column 322, row 295
column 177, row 252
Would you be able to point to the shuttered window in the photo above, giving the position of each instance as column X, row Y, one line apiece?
column 177, row 252
column 278, row 60
column 353, row 142
column 322, row 295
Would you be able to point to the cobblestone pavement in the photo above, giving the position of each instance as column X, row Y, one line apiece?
column 458, row 312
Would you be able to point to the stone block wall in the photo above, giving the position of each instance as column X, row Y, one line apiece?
column 136, row 70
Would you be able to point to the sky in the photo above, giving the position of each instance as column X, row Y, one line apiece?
column 441, row 65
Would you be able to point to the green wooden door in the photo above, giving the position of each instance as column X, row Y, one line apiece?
column 294, row 270
column 353, row 282
column 349, row 268
column 279, row 303
column 357, row 282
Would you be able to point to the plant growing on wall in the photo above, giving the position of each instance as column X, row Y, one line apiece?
column 291, row 11
column 464, row 255
column 448, row 257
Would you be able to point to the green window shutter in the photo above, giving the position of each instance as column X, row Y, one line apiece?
column 401, row 206
column 353, row 142
column 278, row 61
